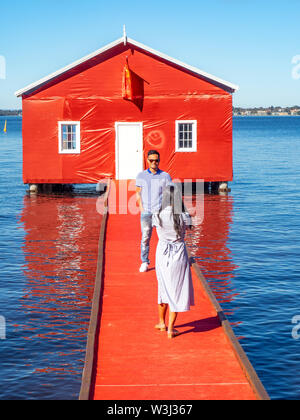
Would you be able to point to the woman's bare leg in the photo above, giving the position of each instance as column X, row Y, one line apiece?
column 172, row 319
column 162, row 309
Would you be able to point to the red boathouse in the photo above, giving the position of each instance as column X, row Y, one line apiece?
column 98, row 117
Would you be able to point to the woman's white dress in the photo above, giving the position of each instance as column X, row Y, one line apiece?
column 173, row 271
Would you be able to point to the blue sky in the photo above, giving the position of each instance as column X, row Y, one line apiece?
column 249, row 43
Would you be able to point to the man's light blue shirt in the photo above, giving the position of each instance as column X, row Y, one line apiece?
column 152, row 186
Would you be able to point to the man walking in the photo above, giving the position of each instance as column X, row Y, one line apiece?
column 149, row 187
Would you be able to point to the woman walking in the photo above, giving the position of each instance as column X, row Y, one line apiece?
column 175, row 287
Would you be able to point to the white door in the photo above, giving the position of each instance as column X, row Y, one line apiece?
column 129, row 149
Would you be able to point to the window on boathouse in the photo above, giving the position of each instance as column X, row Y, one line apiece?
column 186, row 136
column 69, row 137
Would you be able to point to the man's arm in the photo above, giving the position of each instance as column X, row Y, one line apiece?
column 139, row 198
column 169, row 180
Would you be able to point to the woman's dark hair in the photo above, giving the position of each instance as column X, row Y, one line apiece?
column 172, row 197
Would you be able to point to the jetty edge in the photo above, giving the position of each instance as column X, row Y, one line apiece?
column 245, row 363
column 94, row 324
column 90, row 365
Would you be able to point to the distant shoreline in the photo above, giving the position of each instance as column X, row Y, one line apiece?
column 10, row 112
column 236, row 113
column 265, row 116
column 271, row 111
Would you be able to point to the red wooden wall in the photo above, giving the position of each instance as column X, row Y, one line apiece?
column 92, row 94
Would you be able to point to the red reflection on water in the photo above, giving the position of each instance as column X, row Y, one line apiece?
column 208, row 242
column 60, row 248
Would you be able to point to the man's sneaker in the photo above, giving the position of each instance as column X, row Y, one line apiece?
column 144, row 267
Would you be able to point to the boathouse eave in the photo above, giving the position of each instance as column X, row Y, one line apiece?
column 210, row 78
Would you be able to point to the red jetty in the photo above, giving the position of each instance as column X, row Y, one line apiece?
column 127, row 359
column 81, row 123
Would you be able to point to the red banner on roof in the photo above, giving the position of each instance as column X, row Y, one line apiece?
column 127, row 92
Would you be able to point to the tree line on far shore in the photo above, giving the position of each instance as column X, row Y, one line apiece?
column 269, row 110
column 295, row 110
column 8, row 112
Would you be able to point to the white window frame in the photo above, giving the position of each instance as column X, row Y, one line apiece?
column 194, row 139
column 60, row 148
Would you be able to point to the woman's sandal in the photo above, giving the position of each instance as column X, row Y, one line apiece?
column 172, row 334
column 160, row 327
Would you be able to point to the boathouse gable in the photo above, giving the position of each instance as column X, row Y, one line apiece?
column 79, row 128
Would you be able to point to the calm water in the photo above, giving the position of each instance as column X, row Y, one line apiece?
column 255, row 273
column 48, row 250
column 247, row 247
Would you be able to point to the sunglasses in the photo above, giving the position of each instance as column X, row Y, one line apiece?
column 153, row 160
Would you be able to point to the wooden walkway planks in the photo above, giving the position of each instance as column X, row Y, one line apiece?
column 132, row 361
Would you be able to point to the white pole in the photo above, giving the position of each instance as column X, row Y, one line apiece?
column 124, row 35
